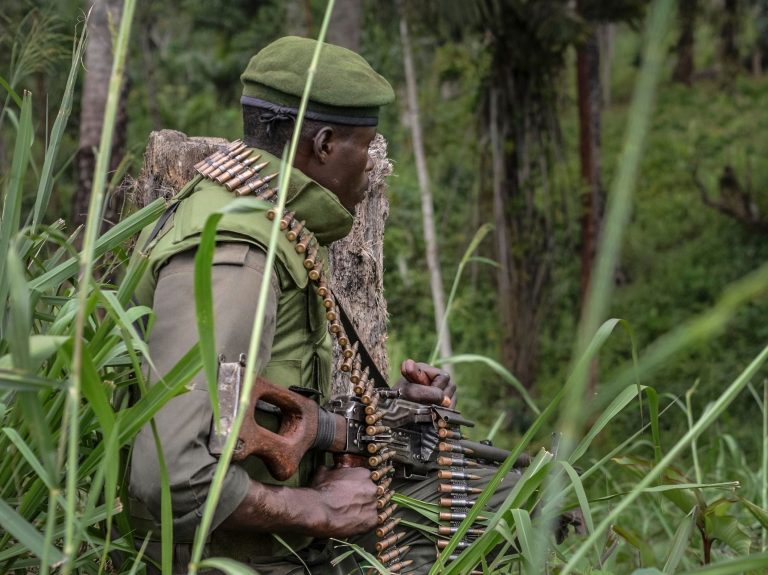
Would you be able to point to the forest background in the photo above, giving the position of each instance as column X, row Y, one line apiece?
column 523, row 110
column 708, row 133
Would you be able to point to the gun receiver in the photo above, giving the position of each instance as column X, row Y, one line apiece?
column 408, row 434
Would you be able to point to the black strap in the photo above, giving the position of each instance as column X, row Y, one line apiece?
column 160, row 223
column 378, row 379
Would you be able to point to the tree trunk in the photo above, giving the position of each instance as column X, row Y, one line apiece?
column 357, row 261
column 729, row 51
column 684, row 67
column 105, row 16
column 606, row 39
column 589, row 92
column 346, row 24
column 427, row 210
column 298, row 18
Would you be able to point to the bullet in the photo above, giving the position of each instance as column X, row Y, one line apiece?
column 448, row 434
column 382, row 457
column 383, row 485
column 450, row 530
column 386, row 514
column 441, row 423
column 394, row 553
column 389, row 541
column 370, row 399
column 314, row 275
column 449, row 516
column 378, row 474
column 334, row 327
column 375, row 447
column 382, row 501
column 267, row 194
column 294, row 232
column 376, row 429
column 354, row 377
column 397, row 567
column 443, row 543
column 238, row 179
column 286, row 221
column 322, row 287
column 445, row 474
column 384, row 529
column 309, row 261
column 453, row 448
column 342, row 338
column 450, row 502
column 374, row 417
column 346, row 365
column 253, row 185
column 449, row 488
column 205, row 162
column 303, row 244
column 456, row 462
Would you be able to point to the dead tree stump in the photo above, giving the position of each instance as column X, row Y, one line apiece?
column 356, row 261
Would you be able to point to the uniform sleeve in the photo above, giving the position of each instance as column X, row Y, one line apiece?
column 184, row 423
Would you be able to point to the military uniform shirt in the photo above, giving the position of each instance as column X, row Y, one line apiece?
column 184, row 423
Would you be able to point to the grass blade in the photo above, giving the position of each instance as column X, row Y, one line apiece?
column 26, row 534
column 204, row 310
column 680, row 541
column 57, row 132
column 11, row 218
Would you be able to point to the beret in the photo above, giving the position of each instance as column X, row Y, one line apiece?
column 345, row 89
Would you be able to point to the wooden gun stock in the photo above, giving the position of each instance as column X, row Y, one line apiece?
column 281, row 452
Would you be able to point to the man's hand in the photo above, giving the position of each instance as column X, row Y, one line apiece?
column 349, row 499
column 424, row 383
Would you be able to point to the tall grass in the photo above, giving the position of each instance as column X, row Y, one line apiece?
column 70, row 352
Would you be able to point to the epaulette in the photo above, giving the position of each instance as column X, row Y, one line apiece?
column 236, row 169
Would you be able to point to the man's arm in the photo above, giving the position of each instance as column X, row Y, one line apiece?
column 341, row 502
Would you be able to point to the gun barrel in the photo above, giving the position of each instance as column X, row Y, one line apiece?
column 483, row 451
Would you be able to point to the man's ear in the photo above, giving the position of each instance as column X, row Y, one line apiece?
column 322, row 144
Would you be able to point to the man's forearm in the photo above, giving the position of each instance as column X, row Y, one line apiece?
column 340, row 503
column 276, row 508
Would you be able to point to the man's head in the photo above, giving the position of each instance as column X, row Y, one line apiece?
column 341, row 117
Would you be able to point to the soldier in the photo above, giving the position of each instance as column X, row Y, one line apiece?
column 329, row 179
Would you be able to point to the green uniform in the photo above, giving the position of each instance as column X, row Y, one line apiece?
column 295, row 346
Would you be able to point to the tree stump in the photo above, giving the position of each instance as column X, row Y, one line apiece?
column 356, row 261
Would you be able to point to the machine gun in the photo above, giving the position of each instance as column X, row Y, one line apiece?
column 375, row 428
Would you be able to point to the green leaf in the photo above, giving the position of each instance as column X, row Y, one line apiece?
column 498, row 369
column 33, row 461
column 11, row 380
column 741, row 565
column 204, row 310
column 680, row 541
column 110, row 240
column 581, row 495
column 760, row 514
column 11, row 217
column 730, row 531
column 26, row 534
column 229, row 566
column 647, row 557
column 57, row 132
column 41, row 347
column 20, row 319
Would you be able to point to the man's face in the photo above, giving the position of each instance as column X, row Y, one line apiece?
column 347, row 165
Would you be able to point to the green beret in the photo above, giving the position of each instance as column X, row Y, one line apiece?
column 345, row 90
